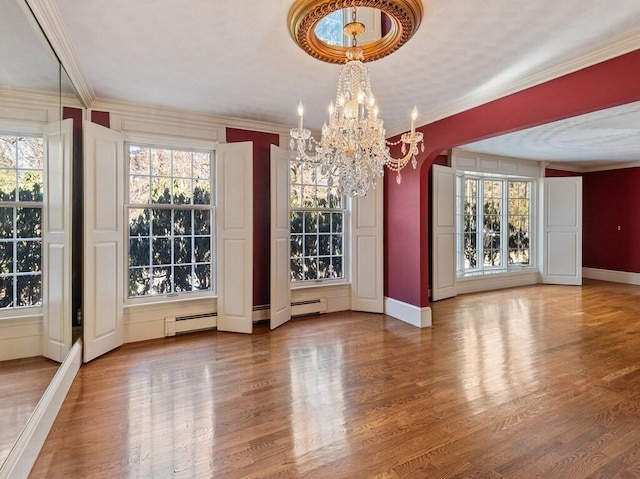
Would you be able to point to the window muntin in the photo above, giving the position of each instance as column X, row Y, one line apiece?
column 170, row 217
column 317, row 226
column 485, row 244
column 21, row 200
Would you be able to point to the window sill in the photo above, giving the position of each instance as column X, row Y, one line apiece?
column 153, row 302
column 319, row 284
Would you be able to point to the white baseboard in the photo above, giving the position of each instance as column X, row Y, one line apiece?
column 414, row 315
column 25, row 451
column 491, row 282
column 610, row 275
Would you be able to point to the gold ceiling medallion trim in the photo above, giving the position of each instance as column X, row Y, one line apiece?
column 304, row 15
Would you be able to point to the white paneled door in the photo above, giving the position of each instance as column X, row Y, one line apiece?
column 367, row 279
column 103, row 240
column 444, row 233
column 234, row 251
column 562, row 263
column 280, row 276
column 56, row 240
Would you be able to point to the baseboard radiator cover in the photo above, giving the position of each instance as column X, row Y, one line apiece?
column 305, row 308
column 193, row 322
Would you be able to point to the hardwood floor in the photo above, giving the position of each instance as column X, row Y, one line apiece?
column 532, row 382
column 23, row 382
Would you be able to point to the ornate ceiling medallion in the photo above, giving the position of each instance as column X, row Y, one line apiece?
column 304, row 15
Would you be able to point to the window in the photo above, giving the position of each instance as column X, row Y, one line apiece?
column 494, row 216
column 21, row 199
column 317, row 226
column 170, row 216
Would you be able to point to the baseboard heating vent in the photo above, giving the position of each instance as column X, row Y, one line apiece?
column 261, row 313
column 192, row 322
column 304, row 308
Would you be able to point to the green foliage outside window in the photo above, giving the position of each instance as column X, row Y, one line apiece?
column 170, row 221
column 317, row 226
column 21, row 195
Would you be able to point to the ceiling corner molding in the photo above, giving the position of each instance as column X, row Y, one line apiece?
column 599, row 53
column 48, row 16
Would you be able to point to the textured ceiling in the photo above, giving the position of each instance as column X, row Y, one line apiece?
column 597, row 140
column 236, row 59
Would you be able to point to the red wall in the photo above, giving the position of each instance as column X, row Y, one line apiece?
column 261, row 207
column 600, row 86
column 611, row 199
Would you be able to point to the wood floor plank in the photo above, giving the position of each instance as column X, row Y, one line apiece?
column 540, row 381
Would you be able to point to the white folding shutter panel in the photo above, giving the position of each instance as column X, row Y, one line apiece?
column 280, row 238
column 562, row 256
column 234, row 251
column 103, row 240
column 56, row 240
column 367, row 286
column 444, row 233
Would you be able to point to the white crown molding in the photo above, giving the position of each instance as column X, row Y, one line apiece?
column 604, row 51
column 604, row 166
column 183, row 117
column 50, row 20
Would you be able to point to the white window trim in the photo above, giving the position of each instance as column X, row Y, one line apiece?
column 30, row 130
column 172, row 142
column 347, row 227
column 482, row 165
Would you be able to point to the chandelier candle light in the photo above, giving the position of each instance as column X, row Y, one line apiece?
column 353, row 147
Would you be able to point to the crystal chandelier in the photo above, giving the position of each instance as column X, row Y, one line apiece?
column 353, row 147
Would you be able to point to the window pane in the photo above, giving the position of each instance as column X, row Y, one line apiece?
column 202, row 280
column 324, row 245
column 30, row 153
column 324, row 263
column 161, row 222
column 139, row 249
column 28, row 222
column 139, row 281
column 182, row 164
column 297, row 273
column 28, row 290
column 310, row 222
column 296, row 246
column 161, row 281
column 30, row 185
column 139, row 189
column 492, row 226
column 202, row 253
column 336, row 245
column 160, row 162
column 310, row 245
column 139, row 222
column 160, row 190
column 138, row 160
column 201, row 192
column 518, row 216
column 8, row 185
column 182, row 191
column 6, row 222
column 182, row 278
column 202, row 224
column 6, row 291
column 310, row 268
column 324, row 222
column 182, row 222
column 8, row 146
column 336, row 222
column 161, row 251
column 201, row 165
column 28, row 256
column 182, row 250
column 296, row 222
column 336, row 267
column 6, row 257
